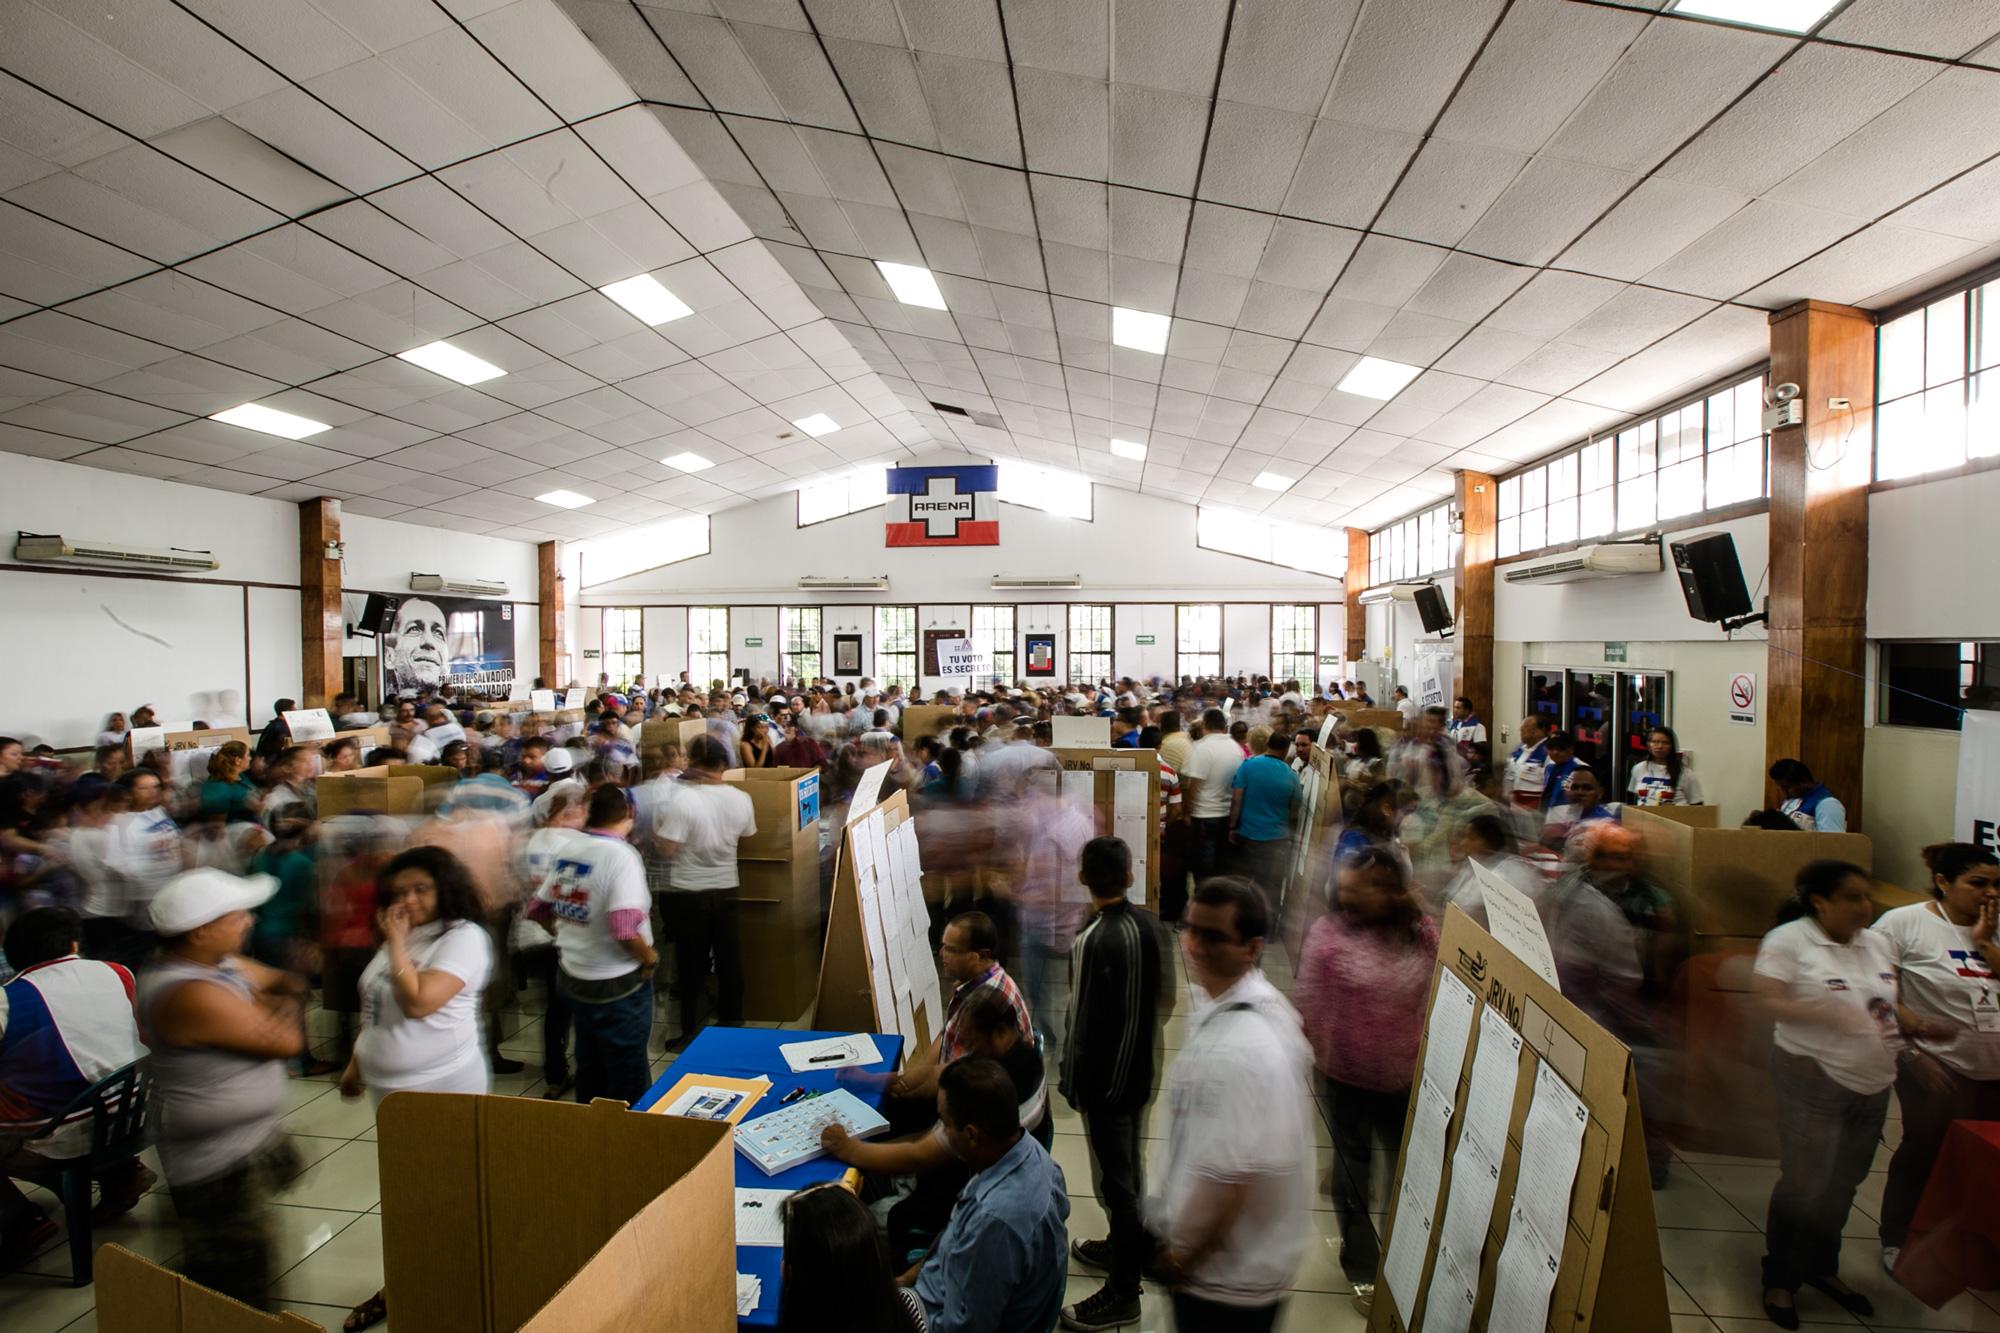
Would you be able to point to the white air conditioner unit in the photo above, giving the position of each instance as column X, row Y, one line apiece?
column 1002, row 581
column 58, row 550
column 1606, row 560
column 1390, row 592
column 463, row 587
column 813, row 584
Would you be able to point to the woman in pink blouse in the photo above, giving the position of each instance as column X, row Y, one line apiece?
column 1363, row 977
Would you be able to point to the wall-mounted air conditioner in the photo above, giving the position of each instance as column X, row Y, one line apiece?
column 1390, row 592
column 463, row 587
column 1606, row 560
column 814, row 584
column 1003, row 581
column 58, row 550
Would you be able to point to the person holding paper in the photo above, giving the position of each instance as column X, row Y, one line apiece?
column 1227, row 1199
column 1107, row 1072
column 1830, row 984
column 1363, row 976
column 699, row 832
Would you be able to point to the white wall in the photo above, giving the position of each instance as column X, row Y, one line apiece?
column 1138, row 548
column 1922, row 542
column 206, row 645
column 1246, row 638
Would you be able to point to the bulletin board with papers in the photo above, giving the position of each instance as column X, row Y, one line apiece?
column 1315, row 828
column 878, row 973
column 1522, row 1201
column 1120, row 791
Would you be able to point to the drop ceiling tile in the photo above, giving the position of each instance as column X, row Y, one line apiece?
column 1545, row 208
column 1929, row 27
column 1348, row 170
column 1922, row 141
column 317, row 137
column 1388, row 271
column 1659, row 219
column 1156, row 138
column 972, row 104
column 545, row 51
column 1551, row 302
column 1752, row 245
column 1968, row 207
column 1446, row 190
column 1404, row 60
column 240, row 160
column 1858, row 268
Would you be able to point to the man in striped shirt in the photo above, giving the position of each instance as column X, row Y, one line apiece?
column 1107, row 1071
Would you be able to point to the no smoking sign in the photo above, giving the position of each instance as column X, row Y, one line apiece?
column 1743, row 698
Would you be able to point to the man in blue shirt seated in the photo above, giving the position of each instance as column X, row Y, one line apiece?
column 1001, row 1263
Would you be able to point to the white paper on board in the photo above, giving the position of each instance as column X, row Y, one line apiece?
column 868, row 791
column 1080, row 733
column 1448, row 1304
column 1482, row 1138
column 575, row 698
column 542, row 701
column 309, row 724
column 1551, row 1143
column 1447, row 1030
column 1523, row 1279
column 1403, row 1266
column 1131, row 802
column 1326, row 730
column 1511, row 918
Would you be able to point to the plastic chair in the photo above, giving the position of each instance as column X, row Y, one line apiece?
column 119, row 1105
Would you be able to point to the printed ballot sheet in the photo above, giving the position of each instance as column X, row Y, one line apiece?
column 1482, row 1144
column 1551, row 1143
column 1423, row 1168
column 1448, row 1304
column 1130, row 798
column 1450, row 1026
column 830, row 1053
column 1522, row 1280
column 760, row 1217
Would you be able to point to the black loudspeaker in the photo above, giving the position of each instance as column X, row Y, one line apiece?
column 375, row 614
column 1711, row 578
column 1431, row 608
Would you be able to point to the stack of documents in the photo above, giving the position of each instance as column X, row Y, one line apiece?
column 749, row 1291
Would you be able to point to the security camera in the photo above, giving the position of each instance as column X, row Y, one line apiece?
column 1780, row 393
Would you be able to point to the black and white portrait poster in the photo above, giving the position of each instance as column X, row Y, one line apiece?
column 429, row 641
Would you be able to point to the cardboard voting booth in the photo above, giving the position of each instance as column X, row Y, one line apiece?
column 174, row 738
column 387, row 789
column 505, row 1213
column 1727, row 884
column 878, row 973
column 671, row 730
column 1122, row 789
column 778, row 892
column 1521, row 1197
column 921, row 720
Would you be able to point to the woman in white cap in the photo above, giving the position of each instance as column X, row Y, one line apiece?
column 221, row 1028
column 420, row 995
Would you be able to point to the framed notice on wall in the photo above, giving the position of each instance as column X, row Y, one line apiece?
column 847, row 654
column 932, row 638
column 1041, row 654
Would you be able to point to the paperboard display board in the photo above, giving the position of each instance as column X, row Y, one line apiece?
column 877, row 973
column 777, row 921
column 1077, row 732
column 143, row 740
column 671, row 730
column 1694, row 816
column 921, row 720
column 504, row 1213
column 1604, row 1271
column 1731, row 882
column 1314, row 830
column 392, row 789
column 135, row 1295
column 1122, row 789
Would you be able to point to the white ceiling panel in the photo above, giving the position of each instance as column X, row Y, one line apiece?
column 1404, row 60
column 1930, row 27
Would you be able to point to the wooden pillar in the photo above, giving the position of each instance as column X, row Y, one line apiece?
column 549, row 593
column 1814, row 695
column 321, row 625
column 1357, row 579
column 1478, row 507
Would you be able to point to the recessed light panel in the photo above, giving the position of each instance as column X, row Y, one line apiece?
column 1128, row 449
column 441, row 358
column 647, row 300
column 1778, row 15
column 269, row 420
column 912, row 285
column 819, row 423
column 565, row 499
column 689, row 462
column 1140, row 331
column 1271, row 481
column 1372, row 377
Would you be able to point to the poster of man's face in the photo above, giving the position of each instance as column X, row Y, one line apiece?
column 429, row 642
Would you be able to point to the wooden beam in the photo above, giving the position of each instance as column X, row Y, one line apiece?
column 1478, row 506
column 1814, row 693
column 549, row 594
column 321, row 624
column 1357, row 579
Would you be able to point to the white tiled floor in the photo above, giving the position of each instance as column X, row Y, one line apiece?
column 1710, row 1216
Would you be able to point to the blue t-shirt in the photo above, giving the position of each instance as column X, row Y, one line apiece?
column 1269, row 786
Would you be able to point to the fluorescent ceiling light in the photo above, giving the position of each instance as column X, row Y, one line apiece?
column 819, row 423
column 1138, row 330
column 441, row 358
column 912, row 285
column 255, row 416
column 1372, row 377
column 1781, row 15
column 688, row 462
column 565, row 499
column 647, row 299
column 1271, row 481
column 1128, row 449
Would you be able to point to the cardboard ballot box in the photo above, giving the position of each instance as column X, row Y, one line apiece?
column 504, row 1213
column 671, row 730
column 786, row 801
column 778, row 892
column 391, row 789
column 921, row 720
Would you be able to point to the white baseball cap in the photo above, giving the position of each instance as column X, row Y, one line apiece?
column 558, row 760
column 193, row 898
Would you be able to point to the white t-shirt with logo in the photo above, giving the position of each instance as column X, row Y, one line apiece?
column 1528, row 773
column 1652, row 784
column 588, row 880
column 397, row 1051
column 707, row 820
column 1213, row 761
column 1855, row 985
column 1945, row 976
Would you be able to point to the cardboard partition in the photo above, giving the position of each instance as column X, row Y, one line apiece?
column 371, row 738
column 921, row 720
column 135, row 1295
column 370, row 790
column 777, row 919
column 1694, row 816
column 1105, row 764
column 502, row 1213
column 1314, row 833
column 206, row 738
column 849, row 998
column 1732, row 881
column 671, row 731
column 786, row 801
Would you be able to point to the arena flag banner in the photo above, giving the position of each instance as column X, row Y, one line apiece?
column 1979, row 779
column 429, row 641
column 944, row 506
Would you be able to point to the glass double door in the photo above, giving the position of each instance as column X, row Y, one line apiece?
column 1608, row 712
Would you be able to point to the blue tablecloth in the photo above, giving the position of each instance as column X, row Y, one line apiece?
column 753, row 1053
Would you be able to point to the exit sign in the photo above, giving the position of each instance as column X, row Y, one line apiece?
column 1143, row 640
column 759, row 643
column 1615, row 652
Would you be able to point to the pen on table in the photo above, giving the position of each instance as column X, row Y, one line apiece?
column 831, row 1055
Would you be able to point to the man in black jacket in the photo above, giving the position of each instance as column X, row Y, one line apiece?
column 1109, row 1055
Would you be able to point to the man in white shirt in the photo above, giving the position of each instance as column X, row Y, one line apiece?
column 699, row 831
column 596, row 901
column 1205, row 781
column 1229, row 1197
column 1404, row 704
column 1527, row 767
column 143, row 852
column 1465, row 728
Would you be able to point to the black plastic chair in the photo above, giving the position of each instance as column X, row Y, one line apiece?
column 119, row 1106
